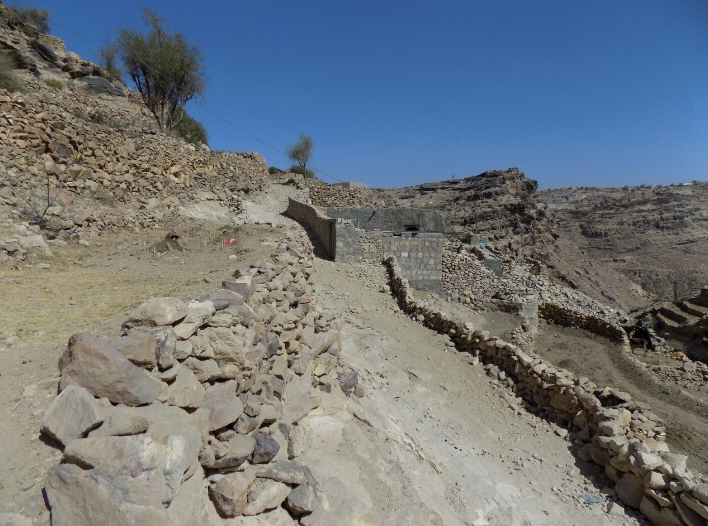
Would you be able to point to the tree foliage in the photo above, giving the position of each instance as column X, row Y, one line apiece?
column 29, row 20
column 166, row 70
column 191, row 130
column 109, row 62
column 300, row 152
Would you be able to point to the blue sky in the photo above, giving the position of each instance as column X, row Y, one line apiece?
column 574, row 92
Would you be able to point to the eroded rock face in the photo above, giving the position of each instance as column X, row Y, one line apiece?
column 95, row 365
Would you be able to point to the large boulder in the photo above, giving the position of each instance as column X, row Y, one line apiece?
column 150, row 472
column 139, row 348
column 223, row 405
column 94, row 364
column 71, row 415
column 82, row 498
column 158, row 311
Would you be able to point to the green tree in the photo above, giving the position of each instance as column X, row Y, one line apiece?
column 166, row 70
column 300, row 152
column 191, row 130
column 109, row 62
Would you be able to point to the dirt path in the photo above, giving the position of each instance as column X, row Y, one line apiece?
column 492, row 462
column 597, row 358
column 90, row 289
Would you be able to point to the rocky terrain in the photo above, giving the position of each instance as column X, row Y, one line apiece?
column 654, row 236
column 172, row 352
column 503, row 209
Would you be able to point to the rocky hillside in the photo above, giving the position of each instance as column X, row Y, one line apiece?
column 504, row 209
column 655, row 236
column 80, row 154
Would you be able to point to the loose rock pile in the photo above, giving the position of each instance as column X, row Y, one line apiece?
column 325, row 195
column 467, row 279
column 192, row 416
column 43, row 137
column 608, row 427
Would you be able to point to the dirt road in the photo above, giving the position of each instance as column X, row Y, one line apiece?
column 486, row 459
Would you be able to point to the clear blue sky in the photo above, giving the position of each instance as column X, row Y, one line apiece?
column 573, row 92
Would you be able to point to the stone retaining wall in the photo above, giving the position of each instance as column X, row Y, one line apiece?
column 607, row 426
column 193, row 415
column 320, row 225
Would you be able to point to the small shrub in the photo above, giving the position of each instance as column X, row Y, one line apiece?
column 109, row 62
column 29, row 20
column 301, row 151
column 8, row 77
column 54, row 83
column 272, row 170
column 190, row 129
column 297, row 169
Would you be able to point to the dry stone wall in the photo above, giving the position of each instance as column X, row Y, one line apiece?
column 56, row 135
column 192, row 416
column 609, row 429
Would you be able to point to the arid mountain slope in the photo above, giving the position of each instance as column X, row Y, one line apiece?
column 655, row 236
column 503, row 209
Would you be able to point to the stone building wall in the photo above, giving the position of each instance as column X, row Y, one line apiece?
column 322, row 227
column 391, row 219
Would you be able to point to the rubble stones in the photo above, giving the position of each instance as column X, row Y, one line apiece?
column 302, row 500
column 158, row 311
column 265, row 495
column 265, row 450
column 230, row 493
column 71, row 415
column 223, row 405
column 93, row 364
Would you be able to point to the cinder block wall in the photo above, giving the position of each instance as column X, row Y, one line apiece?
column 419, row 257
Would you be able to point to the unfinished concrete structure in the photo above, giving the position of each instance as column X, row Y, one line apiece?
column 414, row 236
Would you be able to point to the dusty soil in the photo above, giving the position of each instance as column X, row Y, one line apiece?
column 473, row 455
column 91, row 289
column 599, row 359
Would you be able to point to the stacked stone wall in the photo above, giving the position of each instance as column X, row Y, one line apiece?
column 610, row 429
